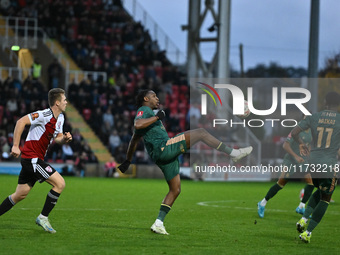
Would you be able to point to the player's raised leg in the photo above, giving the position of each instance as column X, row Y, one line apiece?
column 58, row 183
column 201, row 135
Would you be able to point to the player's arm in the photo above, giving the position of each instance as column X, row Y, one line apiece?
column 144, row 123
column 132, row 146
column 131, row 150
column 304, row 149
column 19, row 128
column 63, row 138
column 288, row 149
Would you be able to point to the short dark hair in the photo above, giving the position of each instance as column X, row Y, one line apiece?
column 332, row 99
column 54, row 95
column 140, row 97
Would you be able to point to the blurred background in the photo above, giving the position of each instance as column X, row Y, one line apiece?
column 103, row 51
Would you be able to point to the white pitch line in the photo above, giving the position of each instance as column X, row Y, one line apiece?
column 216, row 204
column 78, row 209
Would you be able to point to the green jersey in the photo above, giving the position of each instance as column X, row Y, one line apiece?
column 155, row 135
column 325, row 128
column 306, row 137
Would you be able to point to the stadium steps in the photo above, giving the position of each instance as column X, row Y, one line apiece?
column 76, row 120
column 26, row 60
column 58, row 50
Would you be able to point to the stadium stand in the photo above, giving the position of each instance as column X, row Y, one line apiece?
column 101, row 36
column 19, row 98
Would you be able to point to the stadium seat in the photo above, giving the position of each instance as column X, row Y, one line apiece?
column 173, row 107
column 175, row 89
column 129, row 88
column 183, row 97
column 175, row 97
column 184, row 89
column 159, row 71
column 133, row 114
column 182, row 106
column 182, row 124
column 87, row 114
column 167, row 100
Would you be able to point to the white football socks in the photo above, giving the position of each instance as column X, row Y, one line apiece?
column 263, row 202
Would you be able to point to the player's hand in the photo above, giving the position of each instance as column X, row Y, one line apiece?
column 304, row 150
column 15, row 152
column 124, row 166
column 299, row 160
column 67, row 137
column 160, row 114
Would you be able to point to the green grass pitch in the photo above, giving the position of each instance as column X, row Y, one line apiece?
column 113, row 216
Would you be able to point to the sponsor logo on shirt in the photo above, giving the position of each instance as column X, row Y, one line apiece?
column 34, row 115
column 140, row 113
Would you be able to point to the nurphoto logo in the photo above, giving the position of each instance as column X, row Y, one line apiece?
column 239, row 101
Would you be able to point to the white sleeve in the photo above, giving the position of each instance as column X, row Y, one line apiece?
column 36, row 118
column 59, row 125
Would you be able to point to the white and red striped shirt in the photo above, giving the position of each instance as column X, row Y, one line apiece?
column 44, row 127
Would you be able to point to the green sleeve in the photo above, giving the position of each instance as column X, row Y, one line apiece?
column 289, row 138
column 305, row 123
column 144, row 112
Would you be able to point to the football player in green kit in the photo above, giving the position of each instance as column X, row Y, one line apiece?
column 165, row 151
column 325, row 128
column 293, row 164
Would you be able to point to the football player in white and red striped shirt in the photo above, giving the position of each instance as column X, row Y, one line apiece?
column 46, row 125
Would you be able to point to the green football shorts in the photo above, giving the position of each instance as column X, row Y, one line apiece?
column 292, row 169
column 168, row 159
column 326, row 185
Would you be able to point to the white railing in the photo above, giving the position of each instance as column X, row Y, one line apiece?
column 24, row 32
column 51, row 45
column 78, row 76
column 63, row 58
column 19, row 31
column 157, row 33
column 14, row 72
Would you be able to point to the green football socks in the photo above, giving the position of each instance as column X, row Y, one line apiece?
column 308, row 191
column 163, row 211
column 224, row 148
column 317, row 215
column 313, row 201
column 272, row 191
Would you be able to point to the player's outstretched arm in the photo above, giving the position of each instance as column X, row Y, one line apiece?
column 19, row 128
column 131, row 150
column 132, row 146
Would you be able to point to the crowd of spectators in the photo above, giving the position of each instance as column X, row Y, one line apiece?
column 98, row 34
column 101, row 36
column 18, row 98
